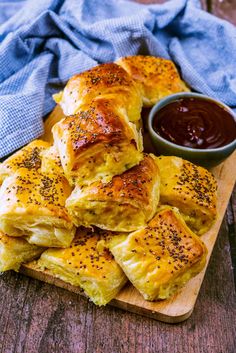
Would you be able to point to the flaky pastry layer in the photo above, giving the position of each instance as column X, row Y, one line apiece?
column 126, row 203
column 33, row 206
column 15, row 251
column 155, row 77
column 108, row 81
column 190, row 188
column 97, row 143
column 160, row 258
column 82, row 264
column 28, row 157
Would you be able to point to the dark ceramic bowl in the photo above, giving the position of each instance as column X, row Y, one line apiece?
column 205, row 157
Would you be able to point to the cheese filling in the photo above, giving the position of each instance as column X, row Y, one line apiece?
column 104, row 164
column 38, row 233
column 106, row 215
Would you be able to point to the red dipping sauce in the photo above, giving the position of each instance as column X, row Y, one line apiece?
column 196, row 123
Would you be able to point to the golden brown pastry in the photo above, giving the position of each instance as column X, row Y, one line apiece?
column 95, row 271
column 51, row 162
column 29, row 157
column 155, row 77
column 33, row 206
column 160, row 258
column 15, row 251
column 108, row 81
column 32, row 202
column 126, row 203
column 55, row 116
column 190, row 188
column 97, row 143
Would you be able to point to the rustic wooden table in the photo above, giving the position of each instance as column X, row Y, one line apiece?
column 39, row 318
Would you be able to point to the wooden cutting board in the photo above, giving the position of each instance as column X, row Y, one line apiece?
column 179, row 307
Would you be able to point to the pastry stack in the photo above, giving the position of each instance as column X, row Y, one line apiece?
column 92, row 208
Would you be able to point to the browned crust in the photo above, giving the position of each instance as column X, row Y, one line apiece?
column 105, row 80
column 192, row 186
column 98, row 123
column 29, row 157
column 135, row 184
column 99, row 78
column 155, row 77
column 184, row 247
column 146, row 68
column 37, row 193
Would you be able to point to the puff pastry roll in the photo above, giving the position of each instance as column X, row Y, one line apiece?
column 155, row 77
column 126, row 203
column 95, row 271
column 97, row 143
column 190, row 188
column 15, row 251
column 104, row 81
column 29, row 157
column 33, row 206
column 160, row 258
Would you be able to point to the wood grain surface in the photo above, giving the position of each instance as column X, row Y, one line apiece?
column 36, row 317
column 226, row 9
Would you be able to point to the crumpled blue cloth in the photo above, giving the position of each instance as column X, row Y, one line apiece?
column 43, row 43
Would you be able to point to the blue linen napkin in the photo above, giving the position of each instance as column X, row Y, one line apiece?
column 43, row 43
